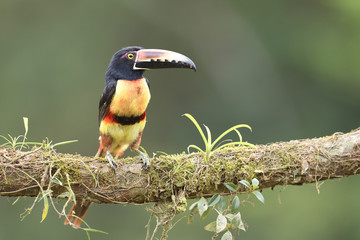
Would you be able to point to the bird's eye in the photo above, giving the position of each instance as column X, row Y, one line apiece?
column 130, row 56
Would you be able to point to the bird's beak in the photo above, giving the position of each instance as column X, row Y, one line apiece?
column 158, row 58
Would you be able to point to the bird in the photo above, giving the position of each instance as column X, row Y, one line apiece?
column 122, row 107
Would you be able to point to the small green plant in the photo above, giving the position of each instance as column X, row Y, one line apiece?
column 213, row 146
column 253, row 188
column 14, row 141
column 45, row 193
column 228, row 209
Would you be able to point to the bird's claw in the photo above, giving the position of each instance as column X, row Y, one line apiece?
column 142, row 156
column 111, row 160
column 145, row 159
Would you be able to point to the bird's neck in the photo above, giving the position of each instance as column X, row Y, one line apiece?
column 114, row 75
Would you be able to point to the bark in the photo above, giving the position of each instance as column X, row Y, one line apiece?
column 285, row 163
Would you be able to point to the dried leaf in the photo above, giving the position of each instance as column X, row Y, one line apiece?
column 227, row 236
column 221, row 223
column 202, row 206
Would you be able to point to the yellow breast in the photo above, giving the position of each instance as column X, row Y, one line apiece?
column 131, row 97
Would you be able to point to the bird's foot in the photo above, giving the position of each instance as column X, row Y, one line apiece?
column 111, row 160
column 142, row 156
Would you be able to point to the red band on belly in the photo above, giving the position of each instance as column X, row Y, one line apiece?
column 123, row 120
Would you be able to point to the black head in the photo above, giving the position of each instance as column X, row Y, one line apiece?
column 122, row 63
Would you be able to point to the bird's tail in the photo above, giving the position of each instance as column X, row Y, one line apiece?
column 78, row 210
column 77, row 213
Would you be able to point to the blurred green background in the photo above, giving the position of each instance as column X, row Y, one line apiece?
column 290, row 69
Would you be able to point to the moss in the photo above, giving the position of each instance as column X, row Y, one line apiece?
column 181, row 206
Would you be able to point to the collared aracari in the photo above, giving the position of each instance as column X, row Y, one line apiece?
column 122, row 107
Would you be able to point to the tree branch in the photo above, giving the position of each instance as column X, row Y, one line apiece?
column 284, row 163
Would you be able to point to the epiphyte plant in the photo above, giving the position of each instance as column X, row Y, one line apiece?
column 213, row 146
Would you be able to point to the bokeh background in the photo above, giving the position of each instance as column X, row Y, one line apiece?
column 290, row 69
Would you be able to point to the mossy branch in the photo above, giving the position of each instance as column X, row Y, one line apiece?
column 284, row 163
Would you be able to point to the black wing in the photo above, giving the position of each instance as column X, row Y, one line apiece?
column 105, row 99
column 147, row 82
